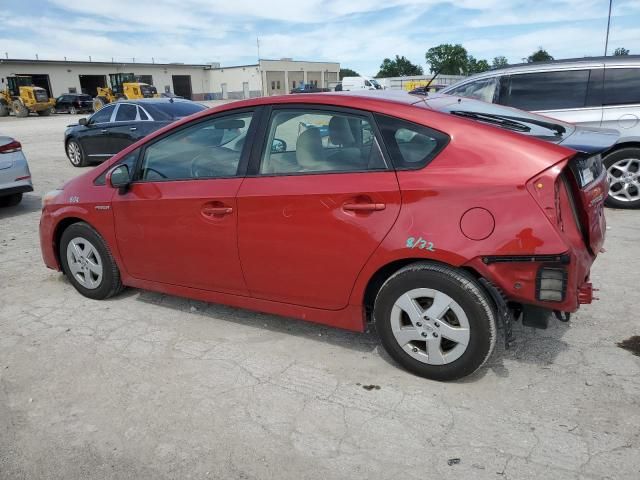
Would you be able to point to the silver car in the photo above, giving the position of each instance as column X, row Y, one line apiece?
column 597, row 92
column 15, row 177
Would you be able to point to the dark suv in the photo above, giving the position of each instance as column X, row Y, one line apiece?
column 74, row 103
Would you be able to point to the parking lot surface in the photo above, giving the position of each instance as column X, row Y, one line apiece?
column 146, row 385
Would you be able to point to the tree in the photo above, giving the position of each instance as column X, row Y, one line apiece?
column 347, row 72
column 447, row 59
column 500, row 62
column 540, row 55
column 476, row 66
column 619, row 52
column 400, row 67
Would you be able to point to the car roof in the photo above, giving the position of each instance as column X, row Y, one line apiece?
column 157, row 100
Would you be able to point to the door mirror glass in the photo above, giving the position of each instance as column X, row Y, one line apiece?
column 119, row 176
column 278, row 146
column 83, row 121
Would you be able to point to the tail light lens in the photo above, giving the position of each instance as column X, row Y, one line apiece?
column 11, row 147
column 546, row 190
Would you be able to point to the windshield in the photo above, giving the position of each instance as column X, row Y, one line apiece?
column 375, row 84
column 175, row 110
column 503, row 117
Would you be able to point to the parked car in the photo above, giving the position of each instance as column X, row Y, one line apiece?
column 598, row 92
column 74, row 103
column 119, row 124
column 360, row 83
column 402, row 218
column 15, row 177
column 308, row 88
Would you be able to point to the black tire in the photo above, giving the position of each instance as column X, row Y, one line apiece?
column 110, row 283
column 10, row 200
column 614, row 187
column 72, row 110
column 46, row 112
column 468, row 295
column 75, row 154
column 4, row 108
column 19, row 109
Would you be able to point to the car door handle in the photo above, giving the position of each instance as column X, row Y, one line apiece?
column 133, row 129
column 215, row 211
column 104, row 130
column 364, row 207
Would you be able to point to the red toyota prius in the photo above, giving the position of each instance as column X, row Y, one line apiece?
column 439, row 219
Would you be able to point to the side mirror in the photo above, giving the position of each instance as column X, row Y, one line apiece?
column 278, row 146
column 83, row 121
column 118, row 177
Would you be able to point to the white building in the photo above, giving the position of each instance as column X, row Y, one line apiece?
column 198, row 82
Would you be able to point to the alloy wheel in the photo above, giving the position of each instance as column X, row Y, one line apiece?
column 74, row 153
column 84, row 263
column 430, row 326
column 624, row 180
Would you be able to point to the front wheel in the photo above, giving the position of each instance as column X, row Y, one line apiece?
column 435, row 321
column 88, row 263
column 75, row 154
column 72, row 110
column 19, row 109
column 623, row 174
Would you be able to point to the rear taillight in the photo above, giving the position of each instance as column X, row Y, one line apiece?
column 545, row 189
column 11, row 147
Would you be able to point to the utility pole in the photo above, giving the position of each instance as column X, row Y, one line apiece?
column 606, row 42
column 258, row 44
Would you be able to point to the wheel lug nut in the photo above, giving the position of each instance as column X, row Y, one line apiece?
column 415, row 350
column 437, row 324
column 425, row 334
column 418, row 324
column 435, row 334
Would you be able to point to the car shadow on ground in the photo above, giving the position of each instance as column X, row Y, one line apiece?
column 30, row 203
column 539, row 347
column 361, row 342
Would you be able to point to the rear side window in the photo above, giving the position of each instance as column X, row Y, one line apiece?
column 483, row 89
column 411, row 146
column 176, row 110
column 126, row 113
column 103, row 115
column 621, row 86
column 547, row 90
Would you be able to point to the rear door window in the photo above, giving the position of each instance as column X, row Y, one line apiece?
column 547, row 90
column 411, row 146
column 126, row 113
column 621, row 86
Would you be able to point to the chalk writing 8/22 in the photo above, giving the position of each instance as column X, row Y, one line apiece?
column 420, row 244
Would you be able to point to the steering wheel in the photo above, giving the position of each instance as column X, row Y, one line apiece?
column 201, row 166
column 149, row 169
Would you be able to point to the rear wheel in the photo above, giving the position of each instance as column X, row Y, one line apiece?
column 75, row 154
column 46, row 112
column 72, row 110
column 98, row 103
column 88, row 263
column 10, row 200
column 623, row 174
column 436, row 321
column 4, row 108
column 19, row 109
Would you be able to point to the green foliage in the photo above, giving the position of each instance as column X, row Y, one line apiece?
column 347, row 72
column 620, row 52
column 400, row 67
column 448, row 59
column 540, row 55
column 500, row 62
column 476, row 66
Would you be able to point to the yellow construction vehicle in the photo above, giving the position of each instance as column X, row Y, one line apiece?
column 124, row 86
column 20, row 96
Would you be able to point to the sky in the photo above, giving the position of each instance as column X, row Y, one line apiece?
column 357, row 33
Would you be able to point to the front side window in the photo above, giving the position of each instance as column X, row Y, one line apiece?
column 411, row 146
column 128, row 160
column 547, row 90
column 126, row 113
column 483, row 89
column 209, row 149
column 103, row 115
column 621, row 86
column 308, row 141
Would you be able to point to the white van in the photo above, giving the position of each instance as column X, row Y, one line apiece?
column 360, row 83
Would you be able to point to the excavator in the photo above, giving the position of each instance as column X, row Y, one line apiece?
column 124, row 86
column 19, row 95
